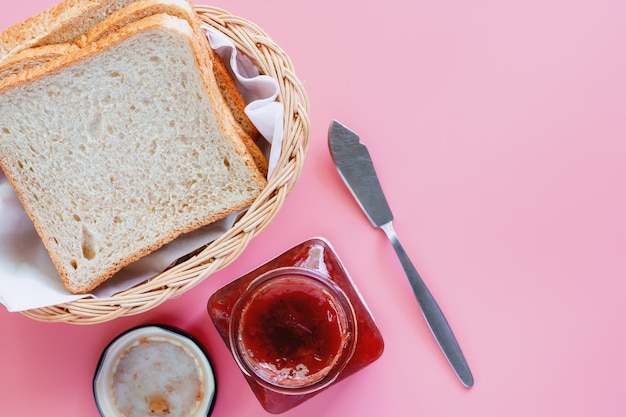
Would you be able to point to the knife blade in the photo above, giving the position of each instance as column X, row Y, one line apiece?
column 355, row 166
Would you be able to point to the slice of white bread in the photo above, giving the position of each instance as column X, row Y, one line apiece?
column 123, row 145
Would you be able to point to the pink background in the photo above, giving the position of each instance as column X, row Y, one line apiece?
column 498, row 131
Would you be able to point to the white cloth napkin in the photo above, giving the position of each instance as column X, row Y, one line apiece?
column 29, row 280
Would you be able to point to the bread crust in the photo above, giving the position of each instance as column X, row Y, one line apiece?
column 236, row 103
column 32, row 57
column 226, row 120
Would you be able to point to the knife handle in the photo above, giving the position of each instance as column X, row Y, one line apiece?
column 432, row 313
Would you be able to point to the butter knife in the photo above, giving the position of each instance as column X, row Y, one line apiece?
column 355, row 167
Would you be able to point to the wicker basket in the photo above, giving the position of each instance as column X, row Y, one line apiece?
column 271, row 60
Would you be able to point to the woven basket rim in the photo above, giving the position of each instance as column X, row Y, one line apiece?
column 271, row 60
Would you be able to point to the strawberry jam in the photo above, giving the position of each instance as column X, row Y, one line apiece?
column 296, row 325
column 294, row 328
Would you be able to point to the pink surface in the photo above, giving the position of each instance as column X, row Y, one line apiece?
column 497, row 129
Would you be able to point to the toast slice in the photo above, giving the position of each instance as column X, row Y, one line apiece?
column 118, row 148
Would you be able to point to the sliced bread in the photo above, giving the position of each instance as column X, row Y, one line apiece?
column 118, row 148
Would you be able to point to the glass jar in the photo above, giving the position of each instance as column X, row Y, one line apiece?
column 296, row 325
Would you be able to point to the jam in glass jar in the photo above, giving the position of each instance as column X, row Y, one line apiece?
column 296, row 325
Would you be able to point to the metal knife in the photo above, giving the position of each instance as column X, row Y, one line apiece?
column 355, row 166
